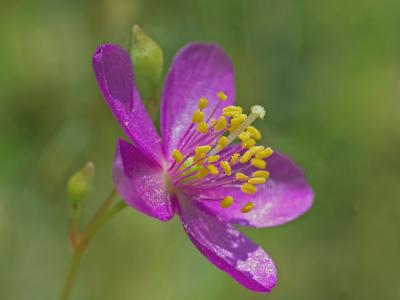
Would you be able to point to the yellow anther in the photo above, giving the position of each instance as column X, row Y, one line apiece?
column 248, row 188
column 240, row 116
column 222, row 96
column 199, row 156
column 233, row 108
column 256, row 149
column 235, row 158
column 221, row 124
column 263, row 174
column 238, row 119
column 258, row 163
column 198, row 116
column 213, row 121
column 177, row 155
column 248, row 143
column 257, row 180
column 230, row 111
column 235, row 123
column 202, row 149
column 222, row 142
column 226, row 167
column 245, row 135
column 226, row 202
column 247, row 207
column 213, row 169
column 265, row 153
column 202, row 103
column 213, row 158
column 246, row 157
column 201, row 173
column 241, row 177
column 255, row 134
column 202, row 127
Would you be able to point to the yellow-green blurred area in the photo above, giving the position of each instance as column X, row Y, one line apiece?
column 328, row 73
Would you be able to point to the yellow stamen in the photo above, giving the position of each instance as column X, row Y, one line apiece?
column 213, row 169
column 248, row 143
column 202, row 149
column 198, row 116
column 245, row 135
column 222, row 142
column 241, row 177
column 226, row 202
column 202, row 127
column 246, row 157
column 235, row 158
column 213, row 121
column 230, row 111
column 177, row 155
column 248, row 188
column 201, row 173
column 222, row 96
column 256, row 149
column 254, row 132
column 226, row 167
column 263, row 174
column 237, row 120
column 258, row 163
column 247, row 207
column 265, row 153
column 202, row 103
column 240, row 116
column 257, row 180
column 213, row 158
column 221, row 124
column 199, row 156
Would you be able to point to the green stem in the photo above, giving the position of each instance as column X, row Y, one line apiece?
column 91, row 231
column 101, row 217
column 71, row 274
column 102, row 209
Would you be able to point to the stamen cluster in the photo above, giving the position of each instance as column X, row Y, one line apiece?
column 203, row 160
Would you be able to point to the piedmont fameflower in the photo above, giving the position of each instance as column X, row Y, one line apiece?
column 208, row 167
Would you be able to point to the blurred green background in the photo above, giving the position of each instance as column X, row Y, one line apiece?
column 328, row 73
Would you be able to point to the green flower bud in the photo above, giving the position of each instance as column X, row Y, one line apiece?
column 148, row 61
column 79, row 186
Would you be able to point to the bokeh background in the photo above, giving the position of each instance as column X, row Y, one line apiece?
column 328, row 73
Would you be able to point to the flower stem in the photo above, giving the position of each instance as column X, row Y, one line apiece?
column 102, row 209
column 92, row 230
column 101, row 217
column 71, row 274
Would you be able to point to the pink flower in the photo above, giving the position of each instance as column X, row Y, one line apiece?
column 195, row 170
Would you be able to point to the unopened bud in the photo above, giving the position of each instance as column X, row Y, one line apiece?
column 79, row 186
column 148, row 61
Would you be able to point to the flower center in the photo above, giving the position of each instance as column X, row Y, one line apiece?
column 203, row 159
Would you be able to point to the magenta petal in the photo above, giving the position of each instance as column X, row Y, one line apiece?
column 227, row 248
column 114, row 73
column 284, row 197
column 140, row 182
column 198, row 70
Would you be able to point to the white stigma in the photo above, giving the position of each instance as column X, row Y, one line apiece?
column 258, row 110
